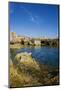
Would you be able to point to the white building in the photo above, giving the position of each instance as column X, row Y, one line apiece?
column 37, row 42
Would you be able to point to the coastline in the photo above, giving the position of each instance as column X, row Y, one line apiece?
column 31, row 71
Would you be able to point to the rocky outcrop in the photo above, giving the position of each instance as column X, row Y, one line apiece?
column 26, row 71
column 27, row 60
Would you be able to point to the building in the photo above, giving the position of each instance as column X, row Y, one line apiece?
column 13, row 36
column 37, row 42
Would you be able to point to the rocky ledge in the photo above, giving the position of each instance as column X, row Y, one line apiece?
column 26, row 71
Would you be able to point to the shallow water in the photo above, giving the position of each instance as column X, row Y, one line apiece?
column 45, row 55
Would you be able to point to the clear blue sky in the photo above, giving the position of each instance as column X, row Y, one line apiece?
column 36, row 20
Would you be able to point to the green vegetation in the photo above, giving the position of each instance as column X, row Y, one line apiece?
column 26, row 71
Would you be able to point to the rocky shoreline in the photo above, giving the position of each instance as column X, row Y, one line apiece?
column 26, row 71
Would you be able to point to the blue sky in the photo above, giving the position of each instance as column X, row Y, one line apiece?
column 34, row 20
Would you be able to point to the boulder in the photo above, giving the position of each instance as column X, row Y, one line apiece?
column 27, row 60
